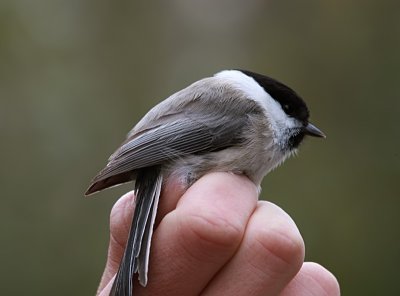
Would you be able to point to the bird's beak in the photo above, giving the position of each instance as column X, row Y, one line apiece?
column 313, row 131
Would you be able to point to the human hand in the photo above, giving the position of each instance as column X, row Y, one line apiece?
column 218, row 239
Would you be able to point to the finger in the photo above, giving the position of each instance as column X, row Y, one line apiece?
column 105, row 291
column 197, row 238
column 312, row 279
column 270, row 255
column 171, row 192
column 120, row 222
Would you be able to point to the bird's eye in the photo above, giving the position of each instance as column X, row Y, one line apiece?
column 286, row 107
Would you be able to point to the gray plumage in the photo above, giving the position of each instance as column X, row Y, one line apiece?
column 206, row 116
column 223, row 123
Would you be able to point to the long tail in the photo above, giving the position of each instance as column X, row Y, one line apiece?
column 136, row 256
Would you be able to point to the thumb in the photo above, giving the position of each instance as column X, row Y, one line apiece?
column 120, row 224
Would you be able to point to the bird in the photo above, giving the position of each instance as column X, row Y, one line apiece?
column 235, row 121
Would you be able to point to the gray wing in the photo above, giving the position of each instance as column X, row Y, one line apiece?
column 190, row 134
column 206, row 116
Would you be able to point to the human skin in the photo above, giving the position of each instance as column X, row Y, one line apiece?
column 217, row 238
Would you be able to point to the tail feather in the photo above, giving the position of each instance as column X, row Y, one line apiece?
column 136, row 256
column 144, row 254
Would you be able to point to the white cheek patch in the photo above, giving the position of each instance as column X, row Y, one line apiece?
column 246, row 84
column 279, row 121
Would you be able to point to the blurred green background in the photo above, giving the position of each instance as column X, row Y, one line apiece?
column 75, row 76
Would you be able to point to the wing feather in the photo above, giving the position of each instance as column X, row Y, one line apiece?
column 178, row 127
column 164, row 143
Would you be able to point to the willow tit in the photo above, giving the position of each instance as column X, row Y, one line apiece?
column 235, row 121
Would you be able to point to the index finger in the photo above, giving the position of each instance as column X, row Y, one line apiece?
column 196, row 239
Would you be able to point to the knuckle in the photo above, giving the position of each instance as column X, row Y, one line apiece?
column 285, row 247
column 213, row 231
